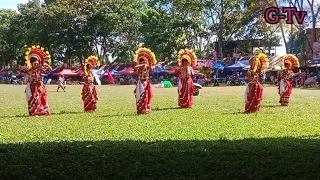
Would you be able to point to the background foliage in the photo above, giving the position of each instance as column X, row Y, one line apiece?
column 114, row 29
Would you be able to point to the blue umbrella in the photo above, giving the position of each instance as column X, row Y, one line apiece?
column 54, row 71
column 98, row 71
column 218, row 65
column 237, row 65
column 159, row 69
column 113, row 71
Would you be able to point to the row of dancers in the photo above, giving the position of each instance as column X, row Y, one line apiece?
column 37, row 60
column 258, row 67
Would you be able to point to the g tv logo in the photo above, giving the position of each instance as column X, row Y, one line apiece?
column 273, row 16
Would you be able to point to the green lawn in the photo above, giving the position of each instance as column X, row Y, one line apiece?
column 213, row 140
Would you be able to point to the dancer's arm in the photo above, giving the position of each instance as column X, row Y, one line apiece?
column 270, row 69
column 47, row 66
column 298, row 73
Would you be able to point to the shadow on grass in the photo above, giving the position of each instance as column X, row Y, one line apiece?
column 67, row 112
column 271, row 106
column 236, row 113
column 165, row 109
column 26, row 115
column 271, row 158
column 16, row 116
column 117, row 115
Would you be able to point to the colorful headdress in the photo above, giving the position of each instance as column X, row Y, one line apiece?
column 93, row 61
column 39, row 53
column 260, row 63
column 257, row 52
column 188, row 55
column 145, row 54
column 292, row 60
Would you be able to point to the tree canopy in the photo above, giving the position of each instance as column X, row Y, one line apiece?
column 113, row 29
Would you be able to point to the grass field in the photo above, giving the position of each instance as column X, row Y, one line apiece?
column 213, row 140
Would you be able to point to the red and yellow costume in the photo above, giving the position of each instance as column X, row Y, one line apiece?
column 185, row 85
column 89, row 90
column 286, row 75
column 145, row 60
column 254, row 90
column 36, row 91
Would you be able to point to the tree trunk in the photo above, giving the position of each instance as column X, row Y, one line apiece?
column 220, row 32
column 284, row 38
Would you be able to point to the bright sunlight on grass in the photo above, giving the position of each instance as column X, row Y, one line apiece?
column 213, row 140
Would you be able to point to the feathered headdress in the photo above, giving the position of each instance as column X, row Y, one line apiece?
column 292, row 60
column 188, row 55
column 145, row 54
column 260, row 63
column 93, row 61
column 39, row 53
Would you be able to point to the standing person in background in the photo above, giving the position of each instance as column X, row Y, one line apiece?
column 254, row 91
column 303, row 76
column 145, row 60
column 186, row 59
column 37, row 60
column 61, row 84
column 285, row 75
column 89, row 90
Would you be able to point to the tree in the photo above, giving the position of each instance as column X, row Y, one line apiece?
column 298, row 40
column 235, row 19
column 8, row 44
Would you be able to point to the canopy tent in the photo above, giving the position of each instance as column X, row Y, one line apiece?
column 98, row 71
column 276, row 68
column 3, row 71
column 129, row 70
column 80, row 72
column 218, row 65
column 159, row 69
column 315, row 60
column 66, row 72
column 237, row 65
column 52, row 72
column 246, row 62
column 113, row 71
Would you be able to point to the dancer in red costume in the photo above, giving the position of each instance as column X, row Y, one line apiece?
column 285, row 75
column 145, row 60
column 36, row 92
column 186, row 88
column 254, row 90
column 89, row 90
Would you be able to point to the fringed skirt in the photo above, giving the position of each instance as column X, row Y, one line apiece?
column 185, row 91
column 143, row 96
column 89, row 97
column 37, row 98
column 253, row 97
column 285, row 90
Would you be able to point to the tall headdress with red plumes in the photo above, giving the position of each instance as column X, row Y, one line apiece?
column 147, row 55
column 39, row 53
column 188, row 55
column 93, row 61
column 292, row 60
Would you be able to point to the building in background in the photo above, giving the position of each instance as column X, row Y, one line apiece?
column 312, row 47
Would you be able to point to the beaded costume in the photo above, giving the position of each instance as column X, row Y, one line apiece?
column 286, row 75
column 254, row 91
column 89, row 90
column 185, row 72
column 36, row 92
column 145, row 60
